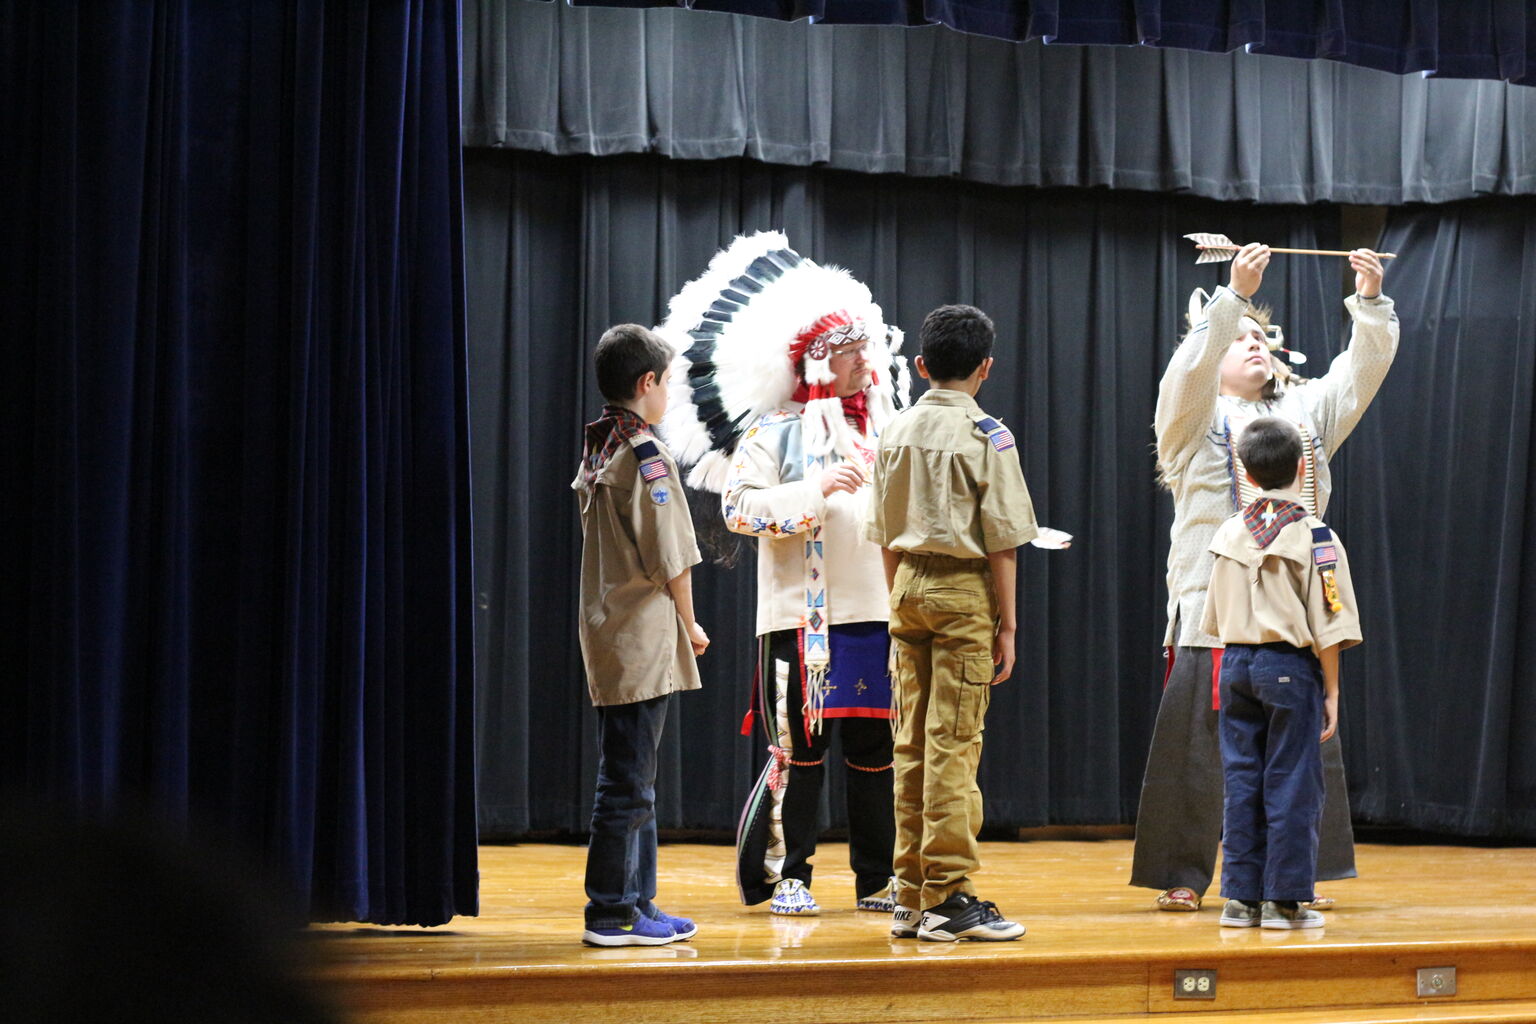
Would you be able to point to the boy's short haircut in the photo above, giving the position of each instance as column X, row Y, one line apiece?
column 625, row 353
column 1270, row 447
column 955, row 340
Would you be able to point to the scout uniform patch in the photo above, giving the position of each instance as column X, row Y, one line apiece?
column 1325, row 557
column 1000, row 436
column 653, row 468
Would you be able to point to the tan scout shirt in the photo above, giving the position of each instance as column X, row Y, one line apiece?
column 942, row 488
column 633, row 642
column 1275, row 594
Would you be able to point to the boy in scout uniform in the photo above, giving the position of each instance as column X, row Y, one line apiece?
column 949, row 508
column 638, row 634
column 1280, row 600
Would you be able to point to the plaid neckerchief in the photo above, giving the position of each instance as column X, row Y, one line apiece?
column 604, row 435
column 1266, row 517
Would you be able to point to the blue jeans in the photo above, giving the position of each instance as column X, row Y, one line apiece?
column 621, row 853
column 1271, row 717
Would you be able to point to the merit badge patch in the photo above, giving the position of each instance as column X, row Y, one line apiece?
column 653, row 469
column 661, row 494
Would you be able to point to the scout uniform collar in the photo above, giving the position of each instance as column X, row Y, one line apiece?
column 949, row 397
column 603, row 436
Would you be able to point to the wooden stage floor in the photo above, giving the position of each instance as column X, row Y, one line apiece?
column 1096, row 949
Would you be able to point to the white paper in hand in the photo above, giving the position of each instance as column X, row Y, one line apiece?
column 1052, row 540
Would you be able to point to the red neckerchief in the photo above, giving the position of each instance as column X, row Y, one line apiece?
column 855, row 407
column 1266, row 517
column 603, row 437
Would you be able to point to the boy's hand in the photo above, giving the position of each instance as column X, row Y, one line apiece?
column 1002, row 655
column 698, row 638
column 1330, row 717
column 1248, row 268
column 844, row 476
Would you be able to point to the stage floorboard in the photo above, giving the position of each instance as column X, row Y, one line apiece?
column 1096, row 949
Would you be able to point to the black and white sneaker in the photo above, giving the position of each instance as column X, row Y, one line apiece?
column 963, row 916
column 904, row 923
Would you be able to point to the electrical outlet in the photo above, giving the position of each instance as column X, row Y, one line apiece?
column 1437, row 981
column 1190, row 984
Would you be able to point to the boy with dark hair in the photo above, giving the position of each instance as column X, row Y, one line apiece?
column 949, row 508
column 1280, row 600
column 638, row 634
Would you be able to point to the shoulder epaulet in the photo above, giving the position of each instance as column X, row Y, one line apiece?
column 1324, row 554
column 1325, row 557
column 653, row 468
column 652, row 465
column 1000, row 436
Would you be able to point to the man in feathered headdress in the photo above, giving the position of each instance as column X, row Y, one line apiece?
column 786, row 378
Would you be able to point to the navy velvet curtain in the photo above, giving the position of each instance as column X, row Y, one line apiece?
column 235, row 519
column 1438, row 509
column 1456, row 38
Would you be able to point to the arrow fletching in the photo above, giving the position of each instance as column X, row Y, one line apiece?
column 1213, row 248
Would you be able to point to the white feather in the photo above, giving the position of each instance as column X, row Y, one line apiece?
column 752, row 368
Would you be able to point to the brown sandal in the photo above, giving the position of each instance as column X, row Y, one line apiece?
column 1180, row 898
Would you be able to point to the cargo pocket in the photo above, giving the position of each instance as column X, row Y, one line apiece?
column 973, row 696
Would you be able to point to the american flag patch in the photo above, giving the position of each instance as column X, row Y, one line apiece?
column 653, row 469
column 1324, row 555
column 1002, row 439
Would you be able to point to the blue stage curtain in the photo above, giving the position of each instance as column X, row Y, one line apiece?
column 234, row 495
column 1457, row 38
column 931, row 102
column 1438, row 511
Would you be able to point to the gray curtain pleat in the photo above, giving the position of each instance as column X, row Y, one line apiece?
column 933, row 102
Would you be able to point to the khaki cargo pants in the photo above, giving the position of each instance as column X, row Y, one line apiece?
column 943, row 621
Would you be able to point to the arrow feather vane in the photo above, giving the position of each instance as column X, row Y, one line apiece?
column 1213, row 248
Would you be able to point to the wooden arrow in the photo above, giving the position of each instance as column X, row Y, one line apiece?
column 1220, row 248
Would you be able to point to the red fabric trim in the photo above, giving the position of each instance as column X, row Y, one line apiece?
column 1216, row 678
column 1168, row 657
column 856, row 713
column 753, row 695
column 830, row 322
column 855, row 407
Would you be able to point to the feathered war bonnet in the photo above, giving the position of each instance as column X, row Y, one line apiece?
column 761, row 320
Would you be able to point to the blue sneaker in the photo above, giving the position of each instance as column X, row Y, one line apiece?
column 643, row 932
column 683, row 928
